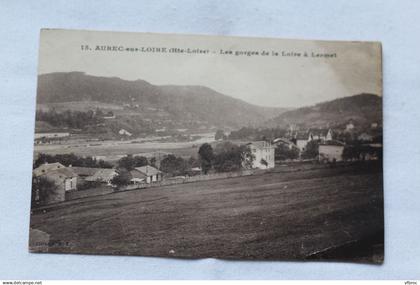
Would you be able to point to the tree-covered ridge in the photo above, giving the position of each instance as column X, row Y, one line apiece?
column 362, row 109
column 70, row 119
column 179, row 103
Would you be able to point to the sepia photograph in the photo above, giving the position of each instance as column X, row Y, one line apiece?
column 191, row 146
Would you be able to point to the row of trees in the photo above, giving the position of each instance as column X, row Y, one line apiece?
column 361, row 152
column 129, row 162
column 248, row 133
column 356, row 151
column 70, row 119
column 71, row 159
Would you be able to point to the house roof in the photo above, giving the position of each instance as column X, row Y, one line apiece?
column 260, row 144
column 103, row 174
column 85, row 171
column 318, row 132
column 65, row 172
column 282, row 140
column 302, row 135
column 148, row 170
column 333, row 143
column 135, row 174
column 47, row 167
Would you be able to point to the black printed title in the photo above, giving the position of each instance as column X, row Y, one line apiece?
column 200, row 51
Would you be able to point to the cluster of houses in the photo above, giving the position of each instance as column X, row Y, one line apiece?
column 76, row 178
column 330, row 148
column 71, row 178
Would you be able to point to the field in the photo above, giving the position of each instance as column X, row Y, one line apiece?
column 114, row 149
column 288, row 213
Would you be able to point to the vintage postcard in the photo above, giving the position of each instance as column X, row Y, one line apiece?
column 208, row 146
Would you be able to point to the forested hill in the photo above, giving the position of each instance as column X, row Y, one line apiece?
column 179, row 103
column 361, row 109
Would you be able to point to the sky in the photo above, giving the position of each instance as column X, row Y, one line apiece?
column 285, row 77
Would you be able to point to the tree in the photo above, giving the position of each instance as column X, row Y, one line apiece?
column 283, row 152
column 247, row 156
column 129, row 162
column 231, row 157
column 206, row 156
column 42, row 190
column 311, row 150
column 153, row 162
column 174, row 166
column 350, row 153
column 193, row 162
column 220, row 135
column 264, row 162
column 123, row 178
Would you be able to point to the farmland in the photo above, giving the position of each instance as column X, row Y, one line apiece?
column 115, row 149
column 287, row 213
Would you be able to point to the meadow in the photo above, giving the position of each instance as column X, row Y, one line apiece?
column 288, row 213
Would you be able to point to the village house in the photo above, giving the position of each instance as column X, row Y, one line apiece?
column 83, row 173
column 304, row 137
column 145, row 174
column 284, row 142
column 365, row 137
column 349, row 126
column 64, row 179
column 124, row 132
column 103, row 175
column 331, row 151
column 264, row 154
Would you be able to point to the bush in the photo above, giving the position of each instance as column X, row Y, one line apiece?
column 311, row 151
column 122, row 179
column 174, row 166
column 130, row 162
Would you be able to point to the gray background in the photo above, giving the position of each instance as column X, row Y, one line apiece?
column 395, row 23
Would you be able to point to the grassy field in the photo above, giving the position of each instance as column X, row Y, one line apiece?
column 112, row 148
column 301, row 214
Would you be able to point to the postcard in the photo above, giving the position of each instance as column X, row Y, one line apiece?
column 192, row 146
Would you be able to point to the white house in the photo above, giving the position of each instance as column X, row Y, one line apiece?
column 321, row 135
column 145, row 174
column 331, row 151
column 350, row 126
column 263, row 154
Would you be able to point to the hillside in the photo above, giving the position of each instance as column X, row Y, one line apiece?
column 363, row 109
column 179, row 104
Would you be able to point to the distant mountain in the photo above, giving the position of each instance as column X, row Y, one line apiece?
column 362, row 109
column 177, row 103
